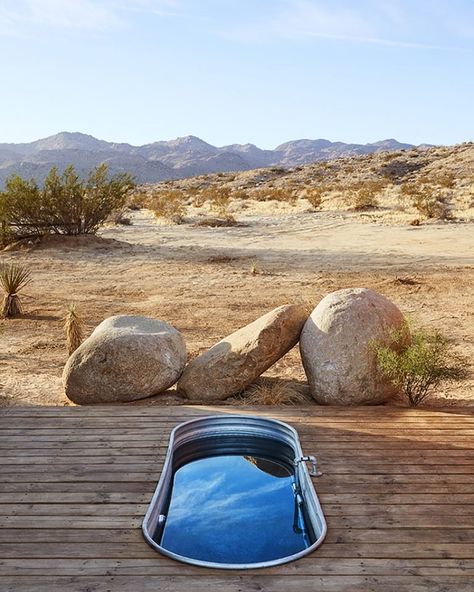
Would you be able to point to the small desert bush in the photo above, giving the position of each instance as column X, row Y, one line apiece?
column 274, row 194
column 13, row 278
column 418, row 367
column 137, row 200
column 445, row 179
column 431, row 207
column 64, row 204
column 219, row 199
column 314, row 195
column 240, row 194
column 363, row 196
column 425, row 201
column 168, row 204
column 73, row 328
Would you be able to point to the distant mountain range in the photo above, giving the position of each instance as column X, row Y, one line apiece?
column 174, row 159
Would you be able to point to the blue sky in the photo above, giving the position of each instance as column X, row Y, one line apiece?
column 260, row 71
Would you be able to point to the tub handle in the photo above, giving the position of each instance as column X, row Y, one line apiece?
column 314, row 470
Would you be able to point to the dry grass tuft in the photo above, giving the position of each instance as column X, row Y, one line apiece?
column 74, row 329
column 13, row 279
column 272, row 392
column 255, row 268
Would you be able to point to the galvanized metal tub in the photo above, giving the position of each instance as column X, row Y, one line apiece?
column 276, row 447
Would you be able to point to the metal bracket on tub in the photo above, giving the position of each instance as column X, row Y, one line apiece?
column 314, row 470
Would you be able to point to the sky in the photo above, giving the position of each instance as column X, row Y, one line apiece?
column 238, row 71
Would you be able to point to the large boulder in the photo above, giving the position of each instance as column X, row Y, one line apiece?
column 126, row 358
column 336, row 347
column 236, row 361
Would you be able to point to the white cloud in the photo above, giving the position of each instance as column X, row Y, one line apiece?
column 94, row 15
column 72, row 13
column 370, row 22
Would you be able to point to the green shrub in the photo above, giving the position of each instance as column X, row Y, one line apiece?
column 65, row 204
column 419, row 367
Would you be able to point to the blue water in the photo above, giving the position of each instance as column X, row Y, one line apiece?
column 225, row 509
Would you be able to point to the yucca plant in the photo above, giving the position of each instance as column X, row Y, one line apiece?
column 74, row 329
column 13, row 278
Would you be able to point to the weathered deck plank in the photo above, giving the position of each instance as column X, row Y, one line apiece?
column 397, row 492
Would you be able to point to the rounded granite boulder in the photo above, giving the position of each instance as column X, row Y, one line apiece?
column 126, row 358
column 336, row 347
column 237, row 360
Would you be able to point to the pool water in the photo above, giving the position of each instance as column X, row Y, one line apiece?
column 235, row 509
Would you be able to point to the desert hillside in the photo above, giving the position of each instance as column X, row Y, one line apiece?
column 236, row 253
column 395, row 187
column 171, row 159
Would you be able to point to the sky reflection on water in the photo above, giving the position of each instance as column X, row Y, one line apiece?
column 225, row 509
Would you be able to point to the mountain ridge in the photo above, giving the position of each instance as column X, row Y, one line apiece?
column 182, row 157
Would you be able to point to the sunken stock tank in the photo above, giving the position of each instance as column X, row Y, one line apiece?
column 235, row 493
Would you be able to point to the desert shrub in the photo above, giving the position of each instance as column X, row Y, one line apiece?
column 192, row 191
column 420, row 366
column 444, row 179
column 240, row 194
column 431, row 207
column 7, row 235
column 219, row 200
column 13, row 279
column 138, row 199
column 314, row 196
column 65, row 204
column 273, row 193
column 364, row 194
column 168, row 204
column 73, row 328
column 425, row 201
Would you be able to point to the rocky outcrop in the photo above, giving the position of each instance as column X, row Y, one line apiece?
column 236, row 361
column 336, row 347
column 126, row 358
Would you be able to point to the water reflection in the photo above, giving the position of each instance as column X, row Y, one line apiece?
column 234, row 509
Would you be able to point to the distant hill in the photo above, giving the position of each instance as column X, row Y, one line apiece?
column 173, row 159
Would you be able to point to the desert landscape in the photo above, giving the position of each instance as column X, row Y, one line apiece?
column 229, row 247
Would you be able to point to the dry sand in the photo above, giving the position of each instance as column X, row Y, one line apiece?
column 200, row 281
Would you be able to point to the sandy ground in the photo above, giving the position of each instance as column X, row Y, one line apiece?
column 200, row 281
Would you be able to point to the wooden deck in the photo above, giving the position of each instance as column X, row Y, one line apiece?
column 397, row 492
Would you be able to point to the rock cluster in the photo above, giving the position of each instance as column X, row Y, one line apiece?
column 131, row 357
